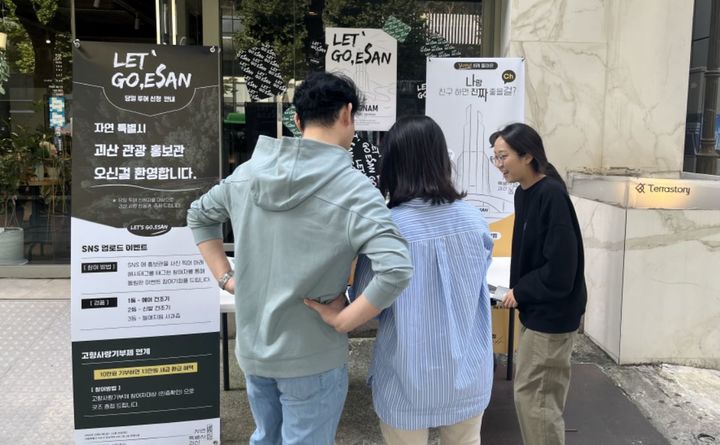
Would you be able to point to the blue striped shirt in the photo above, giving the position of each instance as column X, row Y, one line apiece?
column 432, row 362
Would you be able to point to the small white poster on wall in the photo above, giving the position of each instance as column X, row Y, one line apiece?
column 369, row 57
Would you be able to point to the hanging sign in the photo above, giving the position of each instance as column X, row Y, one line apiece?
column 369, row 57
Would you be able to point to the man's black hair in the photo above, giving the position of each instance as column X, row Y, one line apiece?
column 320, row 97
column 415, row 163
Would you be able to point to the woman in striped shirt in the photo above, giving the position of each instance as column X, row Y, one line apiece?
column 432, row 363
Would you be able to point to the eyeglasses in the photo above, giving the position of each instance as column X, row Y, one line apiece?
column 499, row 160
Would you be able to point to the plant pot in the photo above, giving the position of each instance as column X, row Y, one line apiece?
column 11, row 246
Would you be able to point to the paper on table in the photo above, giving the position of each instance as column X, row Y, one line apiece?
column 499, row 294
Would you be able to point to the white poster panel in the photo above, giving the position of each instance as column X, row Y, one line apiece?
column 470, row 98
column 369, row 57
column 133, row 286
column 144, row 306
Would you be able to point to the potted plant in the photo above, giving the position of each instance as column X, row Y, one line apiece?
column 57, row 169
column 55, row 193
column 53, row 190
column 15, row 170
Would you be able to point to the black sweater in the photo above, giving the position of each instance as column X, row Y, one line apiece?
column 547, row 265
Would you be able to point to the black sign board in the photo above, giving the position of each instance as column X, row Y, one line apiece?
column 145, row 117
column 316, row 59
column 366, row 158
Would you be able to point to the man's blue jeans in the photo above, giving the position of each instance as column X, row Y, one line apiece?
column 299, row 410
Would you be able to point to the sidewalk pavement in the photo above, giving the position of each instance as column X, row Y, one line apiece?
column 681, row 403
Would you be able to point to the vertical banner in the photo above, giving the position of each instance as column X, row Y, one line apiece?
column 145, row 309
column 471, row 98
column 369, row 57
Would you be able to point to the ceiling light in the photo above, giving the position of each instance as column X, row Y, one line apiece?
column 96, row 4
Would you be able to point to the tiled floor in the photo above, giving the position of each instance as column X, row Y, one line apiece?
column 36, row 384
column 36, row 381
column 35, row 289
column 35, row 373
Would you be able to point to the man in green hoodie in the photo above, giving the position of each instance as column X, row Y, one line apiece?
column 300, row 214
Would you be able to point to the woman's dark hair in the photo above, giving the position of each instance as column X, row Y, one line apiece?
column 523, row 139
column 415, row 163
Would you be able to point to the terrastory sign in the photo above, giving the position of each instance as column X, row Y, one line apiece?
column 652, row 188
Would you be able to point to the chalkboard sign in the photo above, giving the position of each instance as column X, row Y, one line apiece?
column 260, row 67
column 316, row 60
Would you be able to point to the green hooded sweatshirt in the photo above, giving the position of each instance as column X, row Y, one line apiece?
column 300, row 214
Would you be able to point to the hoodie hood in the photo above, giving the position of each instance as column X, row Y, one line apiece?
column 285, row 172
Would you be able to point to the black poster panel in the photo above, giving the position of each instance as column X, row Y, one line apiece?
column 366, row 158
column 262, row 74
column 316, row 58
column 140, row 381
column 146, row 131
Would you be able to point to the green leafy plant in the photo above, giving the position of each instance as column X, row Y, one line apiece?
column 19, row 153
column 15, row 170
column 45, row 10
column 55, row 191
column 19, row 53
column 29, row 24
column 4, row 71
column 280, row 25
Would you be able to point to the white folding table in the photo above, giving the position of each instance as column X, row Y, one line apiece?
column 498, row 275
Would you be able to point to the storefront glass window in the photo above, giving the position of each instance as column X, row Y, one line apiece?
column 296, row 33
column 36, row 115
column 697, row 89
column 36, row 84
column 35, row 142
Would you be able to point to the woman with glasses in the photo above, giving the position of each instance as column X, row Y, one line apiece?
column 546, row 280
column 432, row 363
